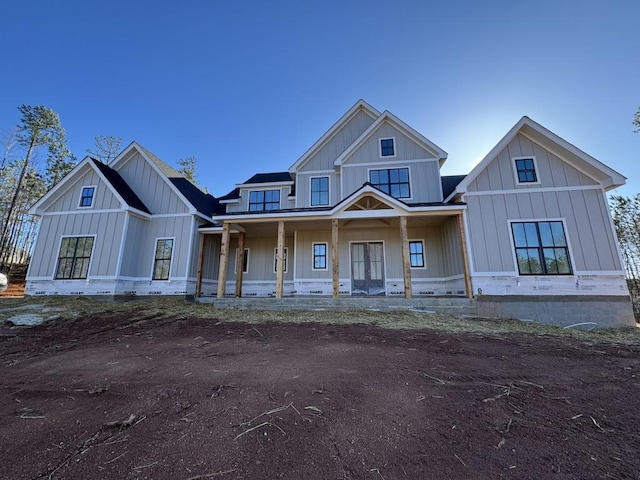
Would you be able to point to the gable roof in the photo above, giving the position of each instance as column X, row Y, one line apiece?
column 190, row 194
column 449, row 184
column 122, row 187
column 582, row 161
column 359, row 106
column 387, row 116
column 269, row 178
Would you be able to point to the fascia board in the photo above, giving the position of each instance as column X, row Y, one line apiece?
column 264, row 184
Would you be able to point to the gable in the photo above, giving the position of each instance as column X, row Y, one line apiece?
column 551, row 170
column 152, row 188
column 68, row 198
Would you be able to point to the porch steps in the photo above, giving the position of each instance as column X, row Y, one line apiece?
column 458, row 306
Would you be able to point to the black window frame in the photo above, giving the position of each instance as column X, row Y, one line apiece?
column 536, row 248
column 321, row 256
column 387, row 147
column 162, row 260
column 526, row 170
column 415, row 255
column 245, row 261
column 87, row 194
column 74, row 266
column 318, row 192
column 387, row 185
column 262, row 200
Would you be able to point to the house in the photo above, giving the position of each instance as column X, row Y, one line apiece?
column 363, row 212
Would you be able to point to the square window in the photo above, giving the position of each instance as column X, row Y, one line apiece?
column 416, row 253
column 319, row 256
column 387, row 148
column 86, row 198
column 74, row 258
column 541, row 248
column 320, row 191
column 392, row 181
column 526, row 170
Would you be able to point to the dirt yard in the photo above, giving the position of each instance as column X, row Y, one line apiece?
column 183, row 391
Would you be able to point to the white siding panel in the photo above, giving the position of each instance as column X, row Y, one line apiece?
column 69, row 200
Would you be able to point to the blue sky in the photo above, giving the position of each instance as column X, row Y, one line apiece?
column 247, row 87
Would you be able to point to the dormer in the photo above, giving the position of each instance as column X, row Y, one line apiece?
column 263, row 192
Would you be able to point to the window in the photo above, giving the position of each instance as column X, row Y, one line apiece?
column 526, row 170
column 416, row 253
column 245, row 261
column 393, row 181
column 162, row 259
column 320, row 191
column 74, row 257
column 541, row 248
column 86, row 198
column 319, row 256
column 275, row 259
column 261, row 200
column 387, row 148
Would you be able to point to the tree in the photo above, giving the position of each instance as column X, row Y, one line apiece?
column 188, row 168
column 626, row 219
column 39, row 127
column 106, row 149
column 636, row 120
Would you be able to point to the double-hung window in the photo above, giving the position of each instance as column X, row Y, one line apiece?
column 86, row 197
column 275, row 259
column 319, row 256
column 74, row 258
column 541, row 248
column 162, row 259
column 263, row 200
column 319, row 191
column 392, row 181
column 416, row 253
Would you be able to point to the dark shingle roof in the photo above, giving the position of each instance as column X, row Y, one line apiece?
column 232, row 195
column 449, row 184
column 121, row 186
column 203, row 202
column 270, row 177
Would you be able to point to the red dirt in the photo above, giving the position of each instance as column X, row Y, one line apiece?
column 14, row 289
column 200, row 399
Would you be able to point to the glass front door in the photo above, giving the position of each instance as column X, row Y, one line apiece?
column 367, row 268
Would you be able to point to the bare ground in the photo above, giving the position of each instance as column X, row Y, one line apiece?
column 172, row 390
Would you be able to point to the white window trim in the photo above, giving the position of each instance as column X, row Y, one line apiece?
column 380, row 167
column 55, row 266
column 235, row 265
column 93, row 197
column 153, row 258
column 424, row 254
column 264, row 190
column 326, row 255
column 286, row 259
column 395, row 147
column 311, row 191
column 513, row 244
column 535, row 166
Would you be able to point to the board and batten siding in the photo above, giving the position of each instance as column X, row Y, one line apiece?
column 139, row 252
column 243, row 205
column 591, row 241
column 551, row 170
column 69, row 200
column 153, row 190
column 323, row 159
column 106, row 227
column 303, row 188
column 261, row 259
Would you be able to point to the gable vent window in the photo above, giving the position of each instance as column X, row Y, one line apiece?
column 262, row 200
column 387, row 147
column 526, row 170
column 86, row 198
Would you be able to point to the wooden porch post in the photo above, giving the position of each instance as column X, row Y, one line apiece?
column 465, row 259
column 240, row 264
column 224, row 257
column 280, row 260
column 203, row 239
column 334, row 258
column 406, row 258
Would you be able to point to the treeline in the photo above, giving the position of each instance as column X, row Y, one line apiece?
column 626, row 219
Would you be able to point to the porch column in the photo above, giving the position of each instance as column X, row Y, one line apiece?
column 203, row 239
column 465, row 259
column 334, row 258
column 406, row 258
column 240, row 264
column 280, row 260
column 224, row 257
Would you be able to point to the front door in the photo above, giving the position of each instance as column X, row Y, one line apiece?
column 367, row 269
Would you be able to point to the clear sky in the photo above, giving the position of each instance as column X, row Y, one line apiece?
column 248, row 86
